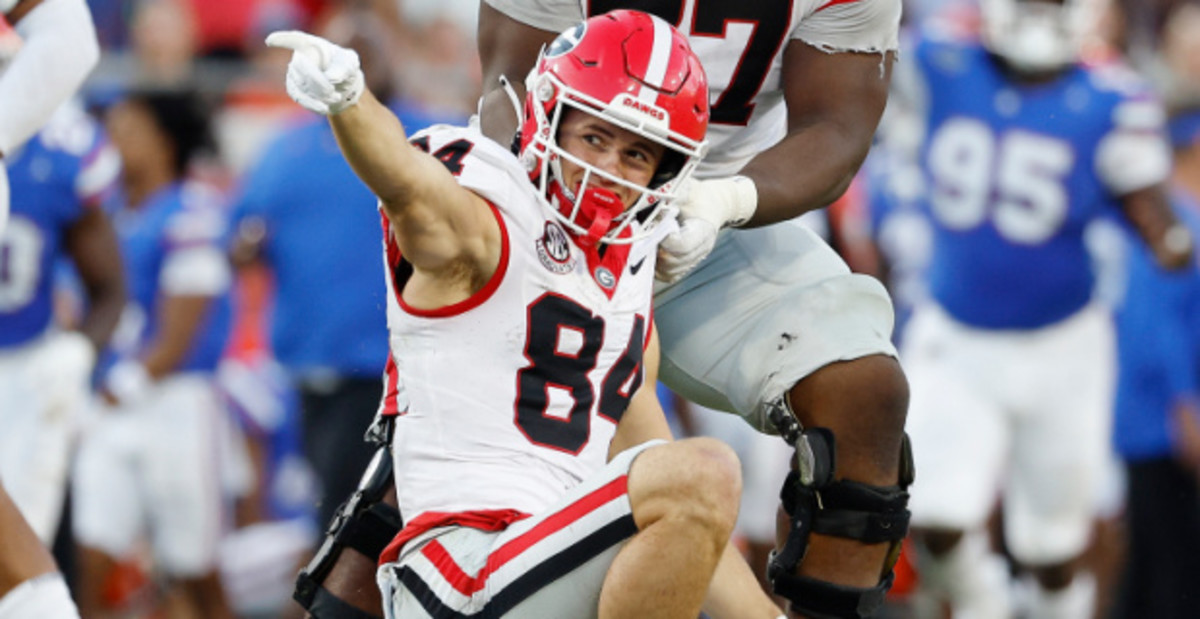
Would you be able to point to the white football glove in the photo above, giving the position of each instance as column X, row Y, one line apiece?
column 62, row 369
column 323, row 77
column 705, row 206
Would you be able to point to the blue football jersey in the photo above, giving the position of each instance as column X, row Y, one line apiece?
column 182, row 217
column 1014, row 175
column 64, row 170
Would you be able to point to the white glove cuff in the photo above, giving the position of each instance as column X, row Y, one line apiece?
column 353, row 92
column 741, row 194
column 128, row 382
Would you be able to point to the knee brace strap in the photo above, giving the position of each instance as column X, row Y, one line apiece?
column 825, row 600
column 846, row 509
column 363, row 523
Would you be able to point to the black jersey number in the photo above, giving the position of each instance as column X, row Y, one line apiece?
column 770, row 21
column 451, row 155
column 562, row 344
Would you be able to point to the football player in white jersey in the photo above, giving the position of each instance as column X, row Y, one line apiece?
column 772, row 322
column 1022, row 147
column 533, row 462
column 59, row 49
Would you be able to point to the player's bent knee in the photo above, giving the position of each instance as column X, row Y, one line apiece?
column 697, row 478
column 817, row 503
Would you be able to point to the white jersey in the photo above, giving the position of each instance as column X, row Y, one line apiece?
column 513, row 395
column 740, row 45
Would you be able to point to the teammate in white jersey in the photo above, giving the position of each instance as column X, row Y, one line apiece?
column 772, row 321
column 531, row 465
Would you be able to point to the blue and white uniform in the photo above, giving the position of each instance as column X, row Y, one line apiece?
column 55, row 179
column 155, row 464
column 1013, row 359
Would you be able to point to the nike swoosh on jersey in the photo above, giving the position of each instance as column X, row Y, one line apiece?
column 633, row 269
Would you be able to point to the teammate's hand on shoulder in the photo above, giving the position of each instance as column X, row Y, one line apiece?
column 323, row 77
column 705, row 206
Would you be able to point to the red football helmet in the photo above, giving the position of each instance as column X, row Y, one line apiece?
column 631, row 69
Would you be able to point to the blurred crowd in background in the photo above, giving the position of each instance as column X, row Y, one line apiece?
column 302, row 356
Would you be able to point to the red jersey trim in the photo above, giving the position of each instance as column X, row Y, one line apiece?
column 495, row 520
column 391, row 388
column 832, row 3
column 476, row 299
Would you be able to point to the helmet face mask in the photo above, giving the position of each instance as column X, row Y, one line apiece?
column 1037, row 36
column 631, row 70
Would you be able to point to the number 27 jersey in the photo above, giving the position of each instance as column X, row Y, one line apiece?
column 741, row 46
column 513, row 395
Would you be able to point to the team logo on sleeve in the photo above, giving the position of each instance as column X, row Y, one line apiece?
column 554, row 250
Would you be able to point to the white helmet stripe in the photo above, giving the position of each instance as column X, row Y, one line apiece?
column 657, row 69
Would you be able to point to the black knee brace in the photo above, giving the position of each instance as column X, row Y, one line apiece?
column 816, row 503
column 365, row 523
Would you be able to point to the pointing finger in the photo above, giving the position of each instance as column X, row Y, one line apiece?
column 302, row 42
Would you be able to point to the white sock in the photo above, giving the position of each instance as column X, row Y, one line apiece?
column 971, row 577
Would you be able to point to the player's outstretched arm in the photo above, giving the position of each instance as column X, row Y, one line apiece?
column 437, row 223
column 59, row 49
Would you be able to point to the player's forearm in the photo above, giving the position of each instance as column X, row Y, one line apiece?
column 735, row 593
column 59, row 49
column 105, row 301
column 180, row 319
column 808, row 170
column 375, row 144
column 1151, row 215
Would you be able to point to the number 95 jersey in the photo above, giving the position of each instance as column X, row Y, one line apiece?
column 513, row 395
column 1016, row 172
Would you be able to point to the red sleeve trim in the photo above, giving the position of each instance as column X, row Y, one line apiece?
column 832, row 3
column 484, row 293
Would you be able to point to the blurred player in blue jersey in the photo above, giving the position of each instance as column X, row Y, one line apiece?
column 59, row 48
column 1012, row 362
column 1157, row 424
column 333, row 345
column 57, row 180
column 149, row 464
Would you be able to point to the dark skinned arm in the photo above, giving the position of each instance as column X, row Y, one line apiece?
column 21, row 10
column 94, row 250
column 1151, row 215
column 834, row 104
column 180, row 317
column 509, row 48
